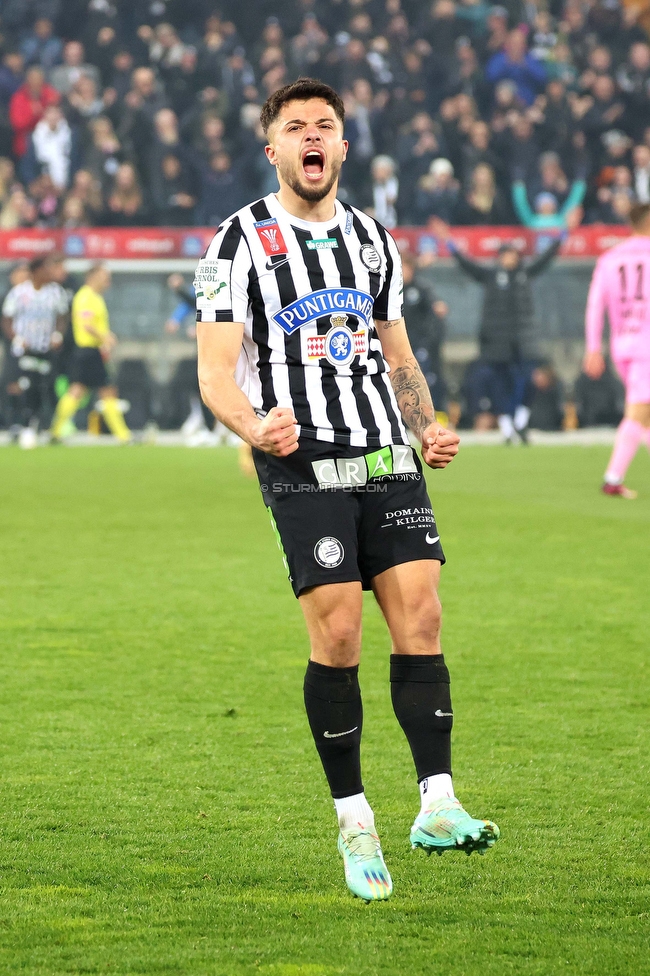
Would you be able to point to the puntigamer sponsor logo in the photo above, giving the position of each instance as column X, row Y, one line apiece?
column 309, row 309
column 396, row 462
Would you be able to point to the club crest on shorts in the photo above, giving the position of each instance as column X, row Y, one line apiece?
column 370, row 257
column 328, row 552
column 339, row 341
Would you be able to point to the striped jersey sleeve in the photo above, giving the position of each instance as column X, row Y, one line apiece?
column 221, row 277
column 389, row 303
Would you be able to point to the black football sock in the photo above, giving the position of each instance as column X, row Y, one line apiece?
column 422, row 703
column 333, row 703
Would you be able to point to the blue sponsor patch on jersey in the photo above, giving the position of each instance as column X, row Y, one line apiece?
column 309, row 309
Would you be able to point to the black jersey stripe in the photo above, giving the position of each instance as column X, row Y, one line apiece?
column 227, row 251
column 260, row 335
column 328, row 372
column 364, row 237
column 382, row 298
column 377, row 379
column 346, row 271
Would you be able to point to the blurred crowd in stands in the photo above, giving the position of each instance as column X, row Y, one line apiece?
column 138, row 112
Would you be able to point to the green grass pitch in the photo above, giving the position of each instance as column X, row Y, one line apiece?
column 162, row 807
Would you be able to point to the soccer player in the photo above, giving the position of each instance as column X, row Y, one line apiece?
column 621, row 286
column 34, row 317
column 303, row 352
column 93, row 343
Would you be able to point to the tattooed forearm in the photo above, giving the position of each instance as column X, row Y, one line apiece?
column 390, row 324
column 412, row 395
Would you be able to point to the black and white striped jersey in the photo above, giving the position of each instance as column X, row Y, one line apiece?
column 307, row 294
column 34, row 312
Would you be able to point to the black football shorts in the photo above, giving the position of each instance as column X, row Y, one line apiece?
column 347, row 513
column 87, row 367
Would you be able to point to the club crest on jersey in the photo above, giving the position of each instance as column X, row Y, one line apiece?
column 370, row 257
column 309, row 309
column 271, row 237
column 339, row 346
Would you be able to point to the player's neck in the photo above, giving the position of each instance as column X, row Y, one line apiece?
column 319, row 211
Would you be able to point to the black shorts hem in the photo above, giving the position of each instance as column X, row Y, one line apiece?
column 436, row 555
column 300, row 586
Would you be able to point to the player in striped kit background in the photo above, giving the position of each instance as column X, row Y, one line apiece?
column 303, row 352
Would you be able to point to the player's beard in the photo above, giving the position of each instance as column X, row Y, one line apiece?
column 311, row 194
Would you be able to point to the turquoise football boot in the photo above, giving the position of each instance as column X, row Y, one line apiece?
column 366, row 875
column 444, row 826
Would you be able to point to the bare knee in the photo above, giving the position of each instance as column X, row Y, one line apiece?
column 419, row 629
column 339, row 640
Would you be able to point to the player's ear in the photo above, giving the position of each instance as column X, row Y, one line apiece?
column 271, row 155
column 346, row 145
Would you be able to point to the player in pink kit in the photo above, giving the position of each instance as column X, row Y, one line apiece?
column 621, row 286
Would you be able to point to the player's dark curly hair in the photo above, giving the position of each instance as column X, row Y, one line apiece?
column 300, row 91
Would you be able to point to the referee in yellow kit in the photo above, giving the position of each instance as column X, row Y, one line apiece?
column 93, row 344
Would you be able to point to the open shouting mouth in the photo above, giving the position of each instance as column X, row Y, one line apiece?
column 313, row 163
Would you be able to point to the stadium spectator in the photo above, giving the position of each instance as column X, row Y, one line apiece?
column 104, row 154
column 27, row 106
column 125, row 202
column 477, row 149
column 483, row 203
column 11, row 75
column 641, row 157
column 65, row 76
column 7, row 178
column 548, row 214
column 83, row 103
column 385, row 190
column 17, row 211
column 172, row 192
column 362, row 121
column 437, row 193
column 515, row 64
column 458, row 80
column 222, row 190
column 88, row 189
column 51, row 148
column 40, row 46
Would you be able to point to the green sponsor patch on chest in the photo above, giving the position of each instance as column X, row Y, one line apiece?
column 326, row 244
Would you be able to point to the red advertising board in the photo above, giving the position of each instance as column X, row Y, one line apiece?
column 160, row 242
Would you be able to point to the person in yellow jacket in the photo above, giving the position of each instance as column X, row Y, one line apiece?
column 93, row 344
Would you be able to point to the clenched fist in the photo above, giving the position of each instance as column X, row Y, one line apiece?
column 276, row 433
column 439, row 445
